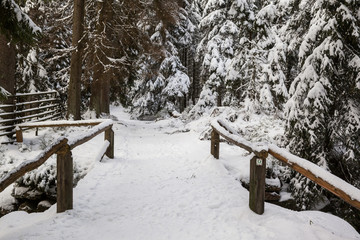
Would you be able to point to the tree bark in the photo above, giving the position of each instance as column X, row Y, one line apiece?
column 100, row 87
column 74, row 90
column 7, row 76
column 7, row 65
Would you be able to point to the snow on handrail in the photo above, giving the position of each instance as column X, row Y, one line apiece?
column 37, row 101
column 329, row 181
column 29, row 165
column 62, row 123
column 96, row 130
column 35, row 94
column 220, row 126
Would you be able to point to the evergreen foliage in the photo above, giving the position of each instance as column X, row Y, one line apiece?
column 243, row 58
column 166, row 88
column 324, row 103
column 298, row 57
column 15, row 24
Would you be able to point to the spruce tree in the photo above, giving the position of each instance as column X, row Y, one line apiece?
column 16, row 25
column 215, row 51
column 256, row 78
column 166, row 87
column 324, row 103
column 243, row 58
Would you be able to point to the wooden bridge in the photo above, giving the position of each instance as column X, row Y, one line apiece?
column 260, row 152
column 62, row 147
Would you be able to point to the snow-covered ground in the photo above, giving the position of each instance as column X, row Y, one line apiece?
column 164, row 184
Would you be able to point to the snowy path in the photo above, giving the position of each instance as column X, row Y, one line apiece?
column 166, row 186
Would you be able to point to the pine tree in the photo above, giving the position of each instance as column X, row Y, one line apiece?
column 256, row 79
column 167, row 86
column 16, row 25
column 215, row 51
column 324, row 103
column 243, row 58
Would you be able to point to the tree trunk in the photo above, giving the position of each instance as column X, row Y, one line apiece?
column 100, row 87
column 74, row 91
column 7, row 65
column 7, row 76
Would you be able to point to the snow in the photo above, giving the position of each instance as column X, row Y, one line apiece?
column 102, row 151
column 335, row 181
column 64, row 122
column 21, row 16
column 164, row 184
column 3, row 92
column 230, row 133
column 6, row 199
column 92, row 131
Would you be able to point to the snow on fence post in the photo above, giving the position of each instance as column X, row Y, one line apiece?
column 257, row 184
column 64, row 192
column 19, row 135
column 109, row 135
column 215, row 144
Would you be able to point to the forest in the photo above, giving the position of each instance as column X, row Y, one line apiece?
column 297, row 61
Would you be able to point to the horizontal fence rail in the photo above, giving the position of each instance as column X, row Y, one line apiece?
column 62, row 147
column 28, row 107
column 260, row 151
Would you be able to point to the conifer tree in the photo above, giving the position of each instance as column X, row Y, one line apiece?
column 324, row 103
column 243, row 59
column 215, row 52
column 166, row 88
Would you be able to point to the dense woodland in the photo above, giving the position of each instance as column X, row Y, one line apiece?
column 298, row 60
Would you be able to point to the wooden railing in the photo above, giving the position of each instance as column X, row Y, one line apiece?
column 28, row 107
column 64, row 162
column 260, row 152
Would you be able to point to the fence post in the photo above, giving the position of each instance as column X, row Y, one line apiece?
column 257, row 184
column 109, row 135
column 64, row 194
column 215, row 144
column 19, row 135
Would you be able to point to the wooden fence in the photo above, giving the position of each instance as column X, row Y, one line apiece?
column 28, row 107
column 260, row 152
column 64, row 162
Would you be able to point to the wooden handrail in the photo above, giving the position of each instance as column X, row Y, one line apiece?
column 30, row 165
column 37, row 101
column 23, row 107
column 63, row 149
column 325, row 179
column 102, row 127
column 19, row 127
column 34, row 94
column 259, row 149
column 61, row 123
